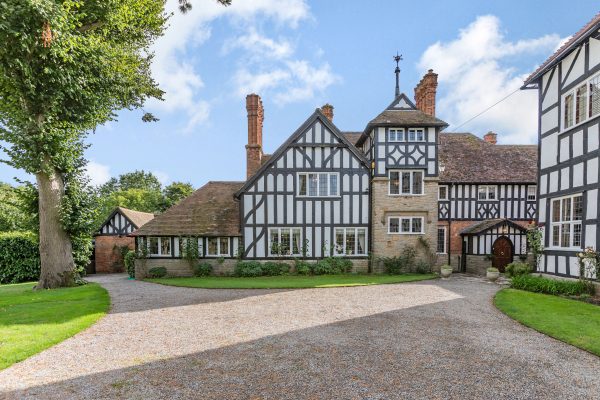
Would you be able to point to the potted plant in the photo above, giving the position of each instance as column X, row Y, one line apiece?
column 492, row 274
column 445, row 271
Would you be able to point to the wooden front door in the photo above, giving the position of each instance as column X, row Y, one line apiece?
column 502, row 252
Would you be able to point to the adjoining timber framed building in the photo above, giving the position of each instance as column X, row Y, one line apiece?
column 325, row 192
column 568, row 86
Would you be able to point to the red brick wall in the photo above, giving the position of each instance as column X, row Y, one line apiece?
column 108, row 253
column 455, row 240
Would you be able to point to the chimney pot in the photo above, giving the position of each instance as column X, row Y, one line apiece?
column 425, row 93
column 327, row 110
column 490, row 137
column 254, row 152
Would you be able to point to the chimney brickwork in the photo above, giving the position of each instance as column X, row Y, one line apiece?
column 425, row 93
column 327, row 110
column 491, row 137
column 254, row 151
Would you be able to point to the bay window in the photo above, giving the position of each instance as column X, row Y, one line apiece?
column 405, row 225
column 285, row 241
column 406, row 182
column 217, row 246
column 350, row 241
column 322, row 184
column 567, row 213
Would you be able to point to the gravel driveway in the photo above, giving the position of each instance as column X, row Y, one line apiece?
column 433, row 339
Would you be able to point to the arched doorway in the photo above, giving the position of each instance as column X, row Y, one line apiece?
column 503, row 253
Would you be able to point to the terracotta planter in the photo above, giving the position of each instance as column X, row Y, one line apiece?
column 492, row 276
column 445, row 273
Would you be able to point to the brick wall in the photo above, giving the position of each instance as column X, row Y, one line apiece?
column 108, row 253
column 384, row 205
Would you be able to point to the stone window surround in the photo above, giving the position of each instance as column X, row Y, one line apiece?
column 400, row 218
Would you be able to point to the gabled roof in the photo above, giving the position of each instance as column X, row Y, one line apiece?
column 467, row 158
column 137, row 218
column 317, row 115
column 401, row 112
column 209, row 211
column 564, row 50
column 352, row 136
column 484, row 226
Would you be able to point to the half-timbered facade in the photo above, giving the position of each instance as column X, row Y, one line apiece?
column 568, row 86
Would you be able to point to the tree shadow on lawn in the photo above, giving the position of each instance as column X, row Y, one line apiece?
column 426, row 351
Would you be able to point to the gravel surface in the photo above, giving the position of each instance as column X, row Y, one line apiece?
column 427, row 340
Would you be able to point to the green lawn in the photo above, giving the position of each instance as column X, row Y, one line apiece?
column 290, row 281
column 31, row 321
column 571, row 321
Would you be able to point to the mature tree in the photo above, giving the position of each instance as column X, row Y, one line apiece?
column 15, row 212
column 175, row 192
column 132, row 180
column 66, row 67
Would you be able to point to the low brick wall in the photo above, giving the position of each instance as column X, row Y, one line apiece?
column 181, row 268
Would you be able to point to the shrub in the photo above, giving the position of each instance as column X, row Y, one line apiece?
column 157, row 272
column 248, row 269
column 400, row 264
column 129, row 261
column 343, row 265
column 539, row 284
column 423, row 267
column 202, row 269
column 325, row 267
column 19, row 257
column 517, row 269
column 303, row 268
column 272, row 268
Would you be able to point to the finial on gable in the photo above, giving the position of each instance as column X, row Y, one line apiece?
column 397, row 58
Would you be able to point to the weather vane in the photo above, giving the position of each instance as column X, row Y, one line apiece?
column 398, row 58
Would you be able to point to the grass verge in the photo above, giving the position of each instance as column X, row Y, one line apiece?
column 290, row 281
column 571, row 321
column 31, row 321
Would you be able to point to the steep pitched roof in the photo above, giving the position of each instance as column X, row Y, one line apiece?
column 209, row 211
column 137, row 218
column 483, row 226
column 559, row 54
column 352, row 136
column 465, row 157
column 317, row 115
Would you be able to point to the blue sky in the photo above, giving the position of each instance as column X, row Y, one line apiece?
column 300, row 54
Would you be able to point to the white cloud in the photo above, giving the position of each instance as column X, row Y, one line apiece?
column 259, row 46
column 179, row 79
column 473, row 76
column 162, row 177
column 97, row 173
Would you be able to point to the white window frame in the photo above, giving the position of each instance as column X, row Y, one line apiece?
column 419, row 135
column 412, row 177
column 445, row 241
column 588, row 104
column 405, row 217
column 181, row 243
column 220, row 253
column 531, row 193
column 290, row 229
column 336, row 248
column 396, row 131
column 447, row 189
column 329, row 175
column 486, row 189
column 571, row 222
column 159, row 240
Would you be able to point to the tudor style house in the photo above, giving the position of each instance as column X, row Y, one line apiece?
column 568, row 86
column 325, row 192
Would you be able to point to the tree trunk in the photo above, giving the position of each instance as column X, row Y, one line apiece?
column 56, row 255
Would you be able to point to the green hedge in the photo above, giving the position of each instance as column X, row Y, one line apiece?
column 540, row 284
column 19, row 257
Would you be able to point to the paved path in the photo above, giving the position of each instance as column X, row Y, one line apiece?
column 434, row 339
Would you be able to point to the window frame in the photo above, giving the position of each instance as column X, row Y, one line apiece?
column 447, row 192
column 444, row 242
column 411, row 182
column 318, row 174
column 531, row 196
column 159, row 240
column 487, row 192
column 291, row 233
column 219, row 248
column 400, row 219
column 571, row 222
column 416, row 131
column 396, row 132
column 575, row 96
column 343, row 253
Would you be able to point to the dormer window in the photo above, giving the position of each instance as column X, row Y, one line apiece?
column 396, row 135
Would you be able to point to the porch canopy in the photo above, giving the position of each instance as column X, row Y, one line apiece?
column 481, row 236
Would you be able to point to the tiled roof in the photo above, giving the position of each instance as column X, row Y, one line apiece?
column 465, row 157
column 265, row 158
column 352, row 136
column 209, row 211
column 138, row 218
column 565, row 48
column 481, row 227
column 408, row 117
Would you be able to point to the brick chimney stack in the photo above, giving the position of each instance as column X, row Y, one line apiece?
column 327, row 110
column 490, row 137
column 425, row 93
column 254, row 152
